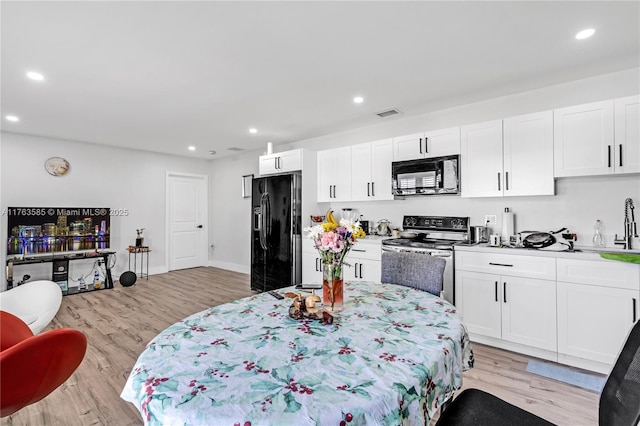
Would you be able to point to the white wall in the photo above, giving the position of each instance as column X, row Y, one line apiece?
column 577, row 205
column 100, row 176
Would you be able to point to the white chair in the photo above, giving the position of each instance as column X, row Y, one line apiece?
column 35, row 303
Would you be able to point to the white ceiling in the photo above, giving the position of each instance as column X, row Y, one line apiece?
column 159, row 76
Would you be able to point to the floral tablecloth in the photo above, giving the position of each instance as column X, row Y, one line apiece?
column 391, row 357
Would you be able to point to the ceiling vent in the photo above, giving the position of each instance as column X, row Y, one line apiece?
column 388, row 113
column 235, row 148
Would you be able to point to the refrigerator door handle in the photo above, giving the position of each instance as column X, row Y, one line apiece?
column 263, row 208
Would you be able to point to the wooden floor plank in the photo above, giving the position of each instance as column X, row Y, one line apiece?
column 119, row 323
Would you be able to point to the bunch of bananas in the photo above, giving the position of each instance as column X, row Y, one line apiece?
column 331, row 222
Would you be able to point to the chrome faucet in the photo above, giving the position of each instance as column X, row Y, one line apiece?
column 630, row 227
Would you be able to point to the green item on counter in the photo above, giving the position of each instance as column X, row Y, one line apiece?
column 622, row 257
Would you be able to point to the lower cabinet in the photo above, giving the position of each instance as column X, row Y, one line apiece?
column 515, row 309
column 593, row 321
column 363, row 262
column 577, row 311
column 597, row 306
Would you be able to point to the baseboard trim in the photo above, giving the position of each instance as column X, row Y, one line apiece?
column 235, row 267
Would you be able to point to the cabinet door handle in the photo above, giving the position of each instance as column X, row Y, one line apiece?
column 496, row 291
column 506, row 181
column 499, row 181
column 275, row 163
column 420, row 145
column 500, row 264
column 634, row 309
column 355, row 269
column 358, row 250
column 373, row 189
column 316, row 264
column 504, row 292
column 334, row 192
column 368, row 189
column 361, row 271
column 609, row 155
column 620, row 149
column 426, row 145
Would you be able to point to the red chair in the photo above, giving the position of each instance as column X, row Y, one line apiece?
column 33, row 366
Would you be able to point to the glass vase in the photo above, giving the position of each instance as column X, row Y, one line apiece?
column 332, row 288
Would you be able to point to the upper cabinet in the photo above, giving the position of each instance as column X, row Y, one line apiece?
column 428, row 144
column 528, row 154
column 627, row 135
column 281, row 162
column 371, row 171
column 334, row 174
column 599, row 138
column 510, row 157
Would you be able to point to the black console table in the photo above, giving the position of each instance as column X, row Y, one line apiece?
column 60, row 267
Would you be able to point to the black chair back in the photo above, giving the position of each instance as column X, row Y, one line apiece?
column 620, row 397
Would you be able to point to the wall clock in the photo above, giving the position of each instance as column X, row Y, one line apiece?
column 57, row 166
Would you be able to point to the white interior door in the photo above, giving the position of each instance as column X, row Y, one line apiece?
column 187, row 220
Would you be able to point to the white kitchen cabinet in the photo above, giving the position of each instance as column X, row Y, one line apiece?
column 481, row 159
column 510, row 157
column 593, row 322
column 627, row 135
column 434, row 143
column 311, row 268
column 366, row 262
column 597, row 306
column 334, row 174
column 583, row 139
column 281, row 162
column 371, row 171
column 498, row 298
column 528, row 155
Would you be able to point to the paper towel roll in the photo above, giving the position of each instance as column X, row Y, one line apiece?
column 269, row 148
column 507, row 225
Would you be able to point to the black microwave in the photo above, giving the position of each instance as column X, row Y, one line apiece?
column 426, row 176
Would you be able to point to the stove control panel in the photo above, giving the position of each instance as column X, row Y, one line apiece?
column 436, row 223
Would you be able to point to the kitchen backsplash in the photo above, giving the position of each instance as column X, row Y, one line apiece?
column 578, row 203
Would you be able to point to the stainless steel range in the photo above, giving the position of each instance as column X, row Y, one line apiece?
column 435, row 236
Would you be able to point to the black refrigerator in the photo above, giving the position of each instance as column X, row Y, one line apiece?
column 276, row 237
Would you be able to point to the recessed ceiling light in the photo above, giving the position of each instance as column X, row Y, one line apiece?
column 358, row 99
column 35, row 76
column 192, row 148
column 253, row 130
column 585, row 33
column 12, row 118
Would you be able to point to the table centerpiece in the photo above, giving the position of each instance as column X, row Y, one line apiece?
column 333, row 240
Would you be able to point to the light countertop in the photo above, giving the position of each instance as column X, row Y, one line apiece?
column 586, row 253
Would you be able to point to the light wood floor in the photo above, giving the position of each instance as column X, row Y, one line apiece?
column 119, row 323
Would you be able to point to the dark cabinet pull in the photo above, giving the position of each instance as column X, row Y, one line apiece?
column 355, row 270
column 506, row 180
column 420, row 145
column 496, row 291
column 316, row 264
column 275, row 163
column 361, row 271
column 368, row 189
column 373, row 189
column 634, row 309
column 426, row 145
column 500, row 264
column 620, row 146
column 504, row 292
column 609, row 155
column 499, row 181
column 334, row 192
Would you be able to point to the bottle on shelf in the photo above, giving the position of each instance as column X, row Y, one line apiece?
column 597, row 235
